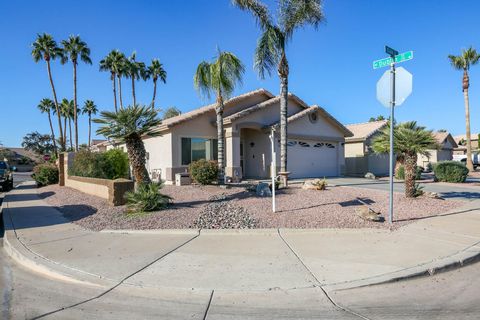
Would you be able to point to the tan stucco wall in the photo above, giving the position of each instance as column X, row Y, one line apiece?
column 92, row 189
column 322, row 127
column 160, row 153
column 354, row 149
column 257, row 157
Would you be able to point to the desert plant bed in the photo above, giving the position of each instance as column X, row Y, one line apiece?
column 198, row 206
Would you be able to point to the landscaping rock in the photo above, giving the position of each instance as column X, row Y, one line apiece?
column 263, row 190
column 432, row 195
column 368, row 214
column 218, row 197
column 224, row 215
column 315, row 184
column 370, row 175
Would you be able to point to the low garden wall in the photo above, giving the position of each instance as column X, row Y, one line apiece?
column 111, row 190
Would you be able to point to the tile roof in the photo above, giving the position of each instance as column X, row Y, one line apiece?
column 473, row 136
column 365, row 130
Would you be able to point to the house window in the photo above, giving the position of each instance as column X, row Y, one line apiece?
column 194, row 149
column 329, row 145
column 291, row 143
column 318, row 145
column 303, row 144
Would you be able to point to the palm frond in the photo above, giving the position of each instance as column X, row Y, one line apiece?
column 202, row 79
column 299, row 13
column 268, row 51
column 258, row 9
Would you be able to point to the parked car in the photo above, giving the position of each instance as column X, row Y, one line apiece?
column 6, row 176
column 463, row 159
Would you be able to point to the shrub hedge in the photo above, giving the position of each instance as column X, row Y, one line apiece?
column 112, row 164
column 450, row 171
column 45, row 174
column 147, row 198
column 204, row 171
column 400, row 173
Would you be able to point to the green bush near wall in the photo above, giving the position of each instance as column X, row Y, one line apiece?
column 450, row 171
column 112, row 164
column 45, row 174
column 204, row 171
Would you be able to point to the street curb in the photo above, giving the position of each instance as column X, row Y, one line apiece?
column 192, row 232
column 462, row 258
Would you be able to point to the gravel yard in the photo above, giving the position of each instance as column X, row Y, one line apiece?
column 297, row 208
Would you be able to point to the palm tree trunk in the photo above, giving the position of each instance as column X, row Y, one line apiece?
column 62, row 137
column 89, row 129
column 466, row 84
column 65, row 132
column 114, row 92
column 220, row 140
column 53, row 134
column 410, row 173
column 133, row 92
column 154, row 92
column 120, row 90
column 136, row 155
column 70, row 129
column 283, row 74
column 75, row 122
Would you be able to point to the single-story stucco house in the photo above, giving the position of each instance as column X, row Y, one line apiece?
column 315, row 139
column 446, row 145
column 461, row 141
column 359, row 156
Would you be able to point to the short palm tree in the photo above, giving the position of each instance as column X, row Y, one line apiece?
column 270, row 51
column 220, row 78
column 66, row 108
column 89, row 108
column 46, row 106
column 128, row 126
column 409, row 141
column 135, row 70
column 467, row 58
column 75, row 48
column 45, row 48
column 113, row 63
column 155, row 71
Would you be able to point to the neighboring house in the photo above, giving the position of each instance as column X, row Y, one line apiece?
column 446, row 145
column 315, row 139
column 20, row 158
column 98, row 145
column 359, row 156
column 461, row 141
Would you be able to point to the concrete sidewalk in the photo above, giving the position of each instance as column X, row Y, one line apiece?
column 39, row 237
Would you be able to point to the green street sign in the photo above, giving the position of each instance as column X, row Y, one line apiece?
column 388, row 61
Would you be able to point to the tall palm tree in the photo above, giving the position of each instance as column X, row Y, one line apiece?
column 155, row 71
column 66, row 108
column 45, row 48
column 73, row 49
column 135, row 70
column 89, row 108
column 128, row 126
column 113, row 63
column 45, row 106
column 409, row 141
column 270, row 51
column 220, row 78
column 467, row 58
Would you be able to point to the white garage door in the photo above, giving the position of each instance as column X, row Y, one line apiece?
column 308, row 159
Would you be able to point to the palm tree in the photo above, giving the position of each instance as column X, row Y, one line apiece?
column 113, row 63
column 67, row 110
column 129, row 125
column 155, row 71
column 45, row 48
column 271, row 45
column 45, row 106
column 135, row 70
column 89, row 108
column 220, row 78
column 467, row 58
column 409, row 141
column 74, row 48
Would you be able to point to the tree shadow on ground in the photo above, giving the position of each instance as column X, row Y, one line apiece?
column 437, row 215
column 77, row 211
column 461, row 194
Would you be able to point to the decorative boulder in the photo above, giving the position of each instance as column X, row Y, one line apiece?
column 370, row 175
column 263, row 190
column 315, row 184
column 368, row 214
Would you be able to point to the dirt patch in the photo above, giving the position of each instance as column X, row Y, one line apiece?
column 296, row 208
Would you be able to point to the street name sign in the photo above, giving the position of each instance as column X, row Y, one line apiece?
column 388, row 61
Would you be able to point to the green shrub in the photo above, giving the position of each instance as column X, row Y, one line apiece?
column 112, row 164
column 147, row 198
column 400, row 173
column 450, row 171
column 45, row 174
column 204, row 171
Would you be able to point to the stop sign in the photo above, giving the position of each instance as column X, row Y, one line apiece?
column 403, row 87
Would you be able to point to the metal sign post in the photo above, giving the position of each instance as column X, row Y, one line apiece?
column 273, row 166
column 392, row 122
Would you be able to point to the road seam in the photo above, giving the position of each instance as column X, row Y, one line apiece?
column 345, row 309
column 208, row 305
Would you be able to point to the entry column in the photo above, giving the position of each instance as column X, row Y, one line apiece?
column 233, row 170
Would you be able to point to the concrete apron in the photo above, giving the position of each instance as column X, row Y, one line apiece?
column 39, row 237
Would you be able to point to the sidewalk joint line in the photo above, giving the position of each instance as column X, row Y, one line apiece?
column 208, row 305
column 345, row 309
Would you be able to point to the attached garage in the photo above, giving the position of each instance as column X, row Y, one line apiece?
column 312, row 159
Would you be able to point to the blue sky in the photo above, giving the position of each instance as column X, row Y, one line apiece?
column 331, row 67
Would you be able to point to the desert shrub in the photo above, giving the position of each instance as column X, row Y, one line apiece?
column 45, row 174
column 112, row 164
column 450, row 171
column 147, row 198
column 429, row 167
column 204, row 171
column 400, row 173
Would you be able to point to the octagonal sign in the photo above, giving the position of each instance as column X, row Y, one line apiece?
column 403, row 87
